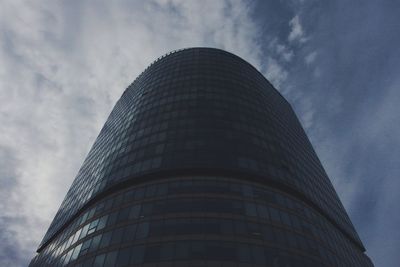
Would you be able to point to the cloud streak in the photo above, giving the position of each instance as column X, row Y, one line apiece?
column 345, row 90
column 64, row 65
column 296, row 30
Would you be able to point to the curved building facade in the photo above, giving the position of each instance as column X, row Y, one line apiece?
column 201, row 163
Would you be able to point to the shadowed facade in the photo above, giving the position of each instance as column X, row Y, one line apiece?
column 201, row 162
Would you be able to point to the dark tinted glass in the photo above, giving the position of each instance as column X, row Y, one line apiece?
column 201, row 160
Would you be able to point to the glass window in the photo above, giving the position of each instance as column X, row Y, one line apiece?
column 170, row 226
column 237, row 207
column 95, row 243
column 117, row 201
column 213, row 250
column 129, row 233
column 156, row 162
column 254, row 229
column 274, row 214
column 244, row 253
column 112, row 218
column 235, row 188
column 150, row 191
column 88, row 262
column 105, row 241
column 227, row 251
column 84, row 217
column 226, row 227
column 240, row 228
column 85, row 246
column 162, row 189
column 152, row 253
column 76, row 236
column 292, row 239
column 108, row 204
column 211, row 226
column 182, row 250
column 167, row 251
column 198, row 250
column 142, row 230
column 147, row 209
column 99, row 260
column 129, row 196
column 285, row 218
column 84, row 231
column 280, row 237
column 139, row 193
column 102, row 222
column 134, row 212
column 76, row 252
column 251, row 209
column 117, row 236
column 110, row 259
column 258, row 255
column 156, row 228
column 123, row 257
column 295, row 222
column 268, row 233
column 123, row 214
column 137, row 255
column 92, row 226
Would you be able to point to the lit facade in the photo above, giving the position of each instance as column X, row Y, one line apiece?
column 201, row 163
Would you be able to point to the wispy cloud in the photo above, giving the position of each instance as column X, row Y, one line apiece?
column 275, row 72
column 310, row 58
column 296, row 30
column 64, row 65
column 345, row 90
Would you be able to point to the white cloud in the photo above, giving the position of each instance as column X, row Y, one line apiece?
column 284, row 52
column 275, row 72
column 296, row 31
column 63, row 66
column 310, row 58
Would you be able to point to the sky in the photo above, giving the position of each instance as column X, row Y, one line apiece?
column 64, row 64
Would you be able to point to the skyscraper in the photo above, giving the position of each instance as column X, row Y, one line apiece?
column 201, row 163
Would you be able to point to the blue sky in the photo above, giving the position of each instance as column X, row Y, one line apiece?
column 63, row 65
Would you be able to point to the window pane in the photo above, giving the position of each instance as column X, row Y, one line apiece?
column 135, row 211
column 167, row 251
column 243, row 253
column 142, row 231
column 262, row 211
column 226, row 227
column 84, row 231
column 152, row 253
column 137, row 255
column 110, row 259
column 117, row 236
column 251, row 209
column 85, row 246
column 274, row 214
column 129, row 233
column 182, row 250
column 76, row 252
column 99, row 260
column 102, row 222
column 95, row 243
column 105, row 241
column 258, row 255
column 123, row 257
column 123, row 215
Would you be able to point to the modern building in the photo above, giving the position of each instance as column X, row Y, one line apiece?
column 201, row 163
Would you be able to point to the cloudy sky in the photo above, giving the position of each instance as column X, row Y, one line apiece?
column 64, row 64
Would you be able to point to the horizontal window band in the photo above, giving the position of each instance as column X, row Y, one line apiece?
column 164, row 176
